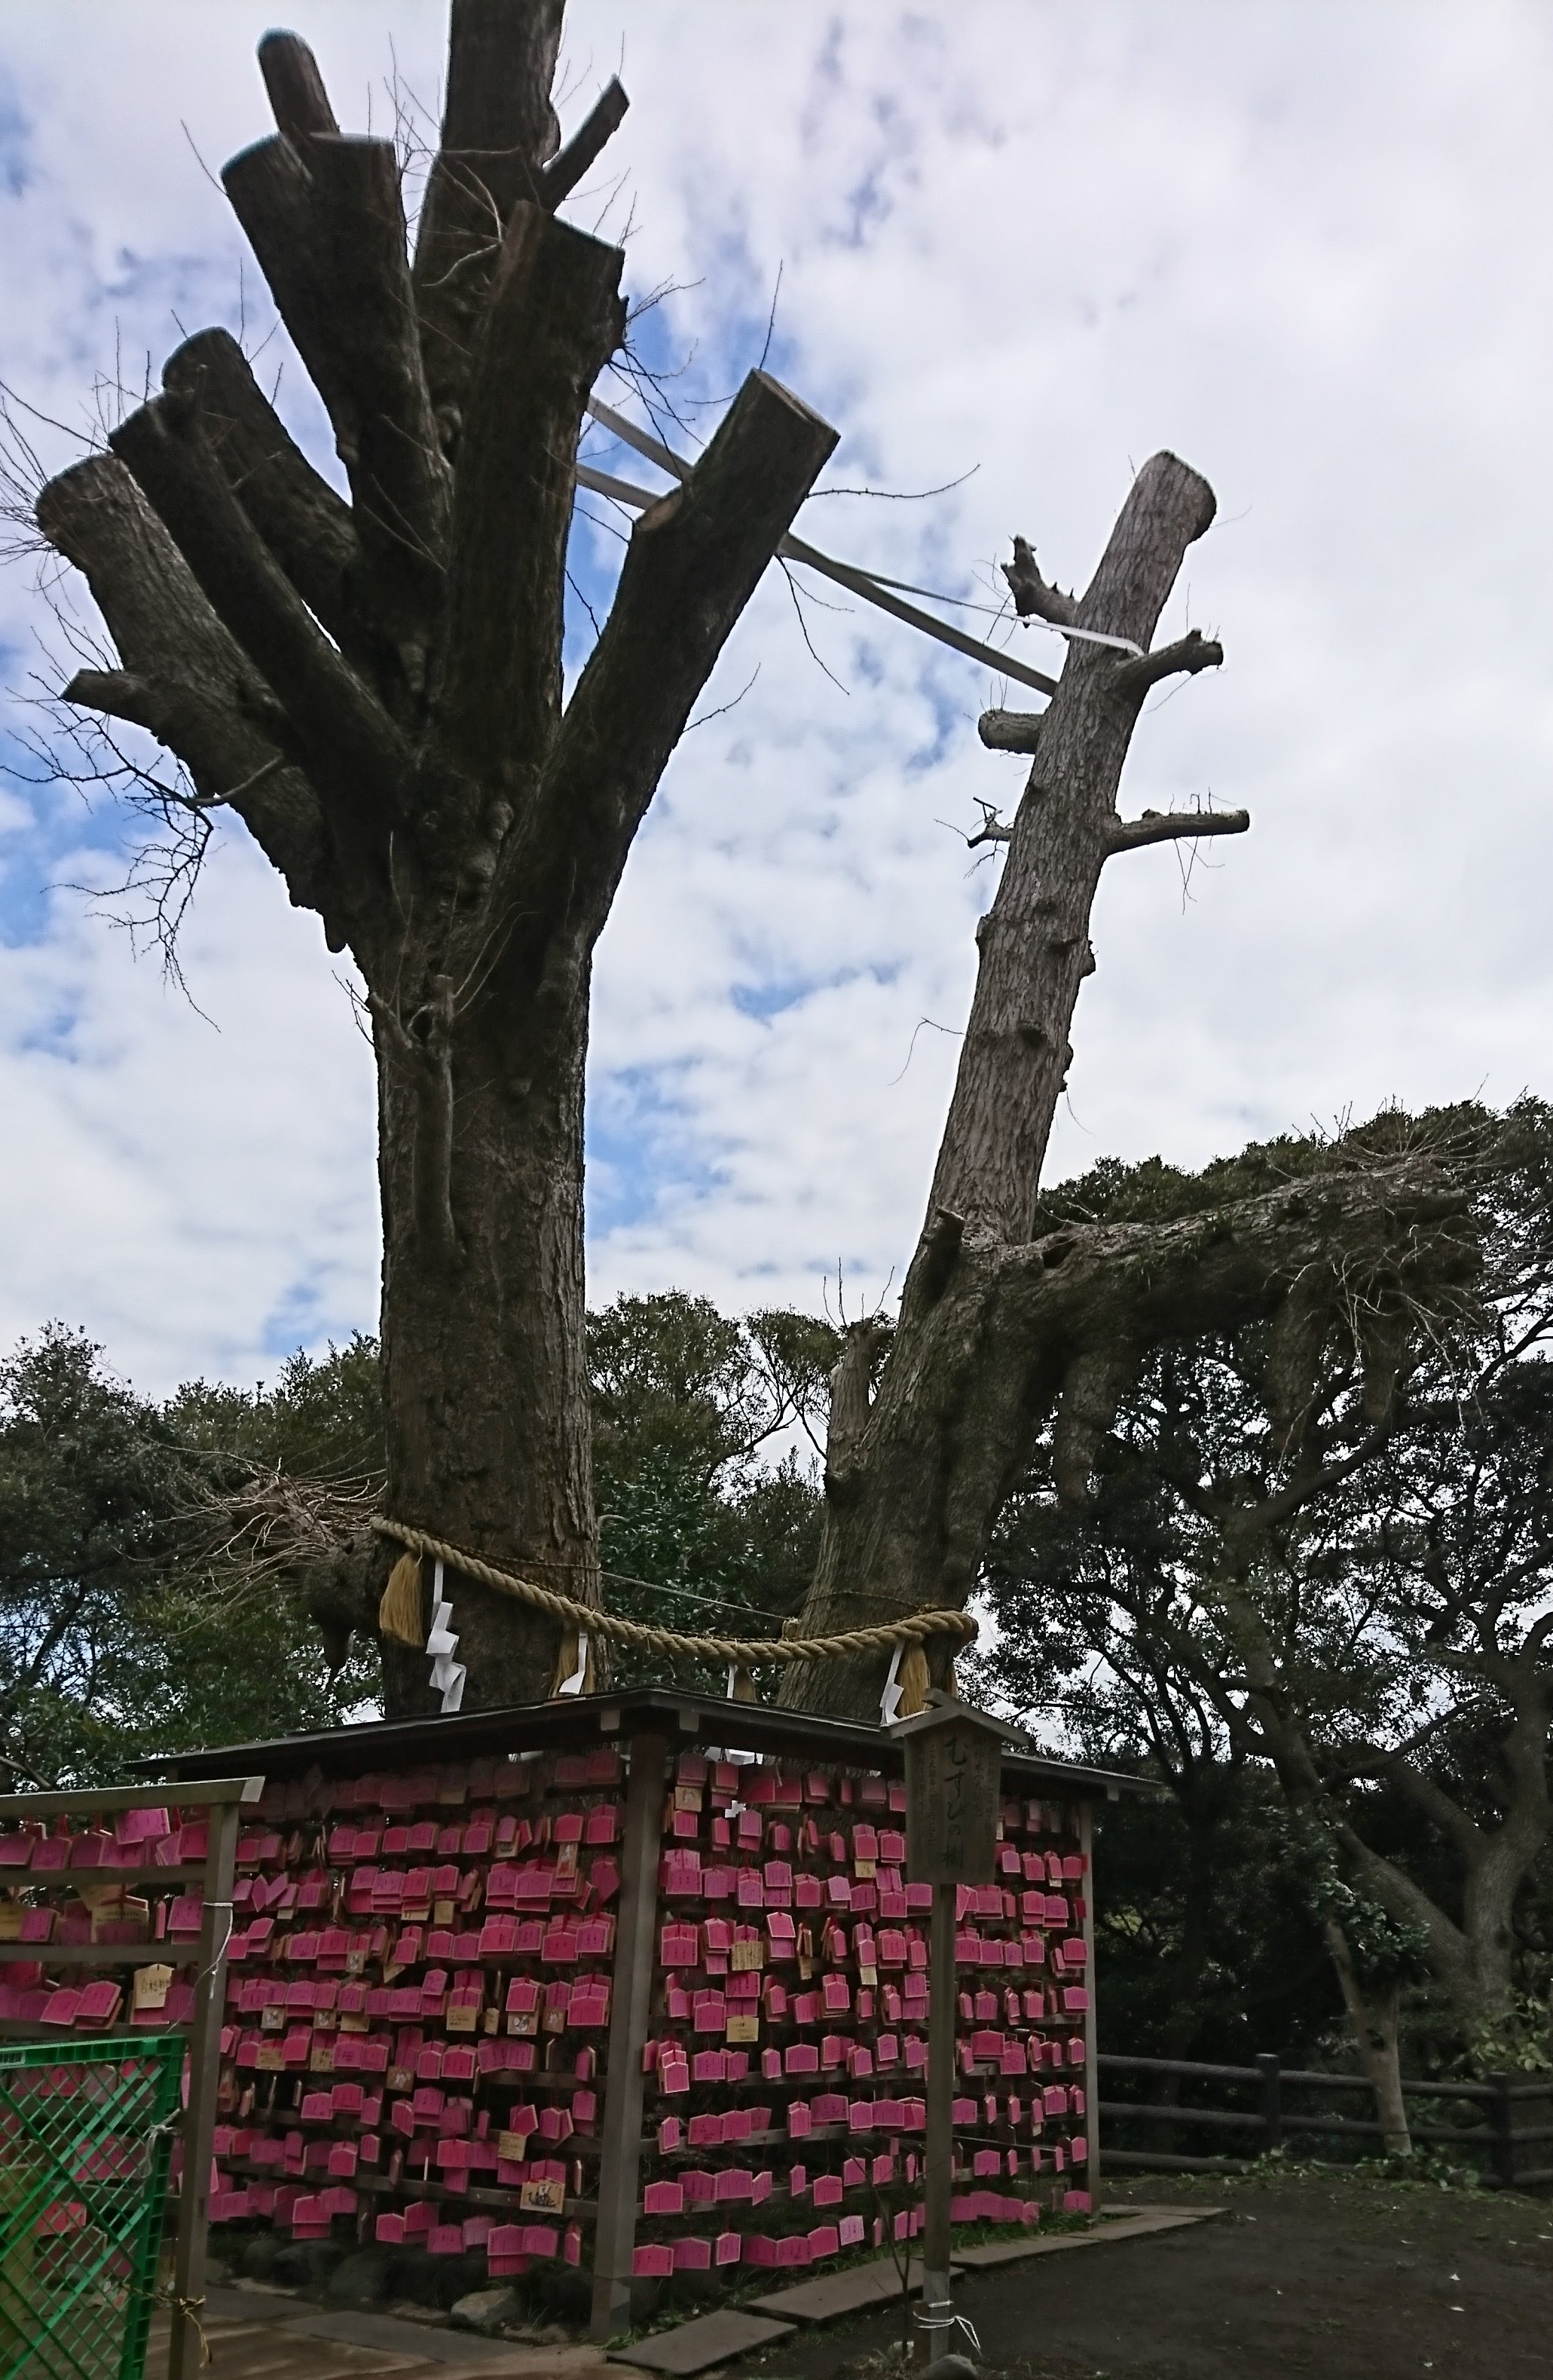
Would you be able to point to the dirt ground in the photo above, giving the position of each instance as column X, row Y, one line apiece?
column 1350, row 2279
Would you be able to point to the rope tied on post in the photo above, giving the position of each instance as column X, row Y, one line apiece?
column 739, row 1653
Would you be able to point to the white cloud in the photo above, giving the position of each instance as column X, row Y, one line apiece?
column 1300, row 245
column 190, row 1186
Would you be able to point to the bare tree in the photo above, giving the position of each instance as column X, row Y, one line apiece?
column 999, row 1320
column 375, row 690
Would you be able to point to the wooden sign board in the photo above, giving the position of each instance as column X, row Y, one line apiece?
column 953, row 1768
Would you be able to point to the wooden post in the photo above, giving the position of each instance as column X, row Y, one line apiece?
column 614, row 2234
column 939, row 2174
column 1271, row 2068
column 186, row 2354
column 954, row 1758
column 1501, row 2117
column 1091, row 2014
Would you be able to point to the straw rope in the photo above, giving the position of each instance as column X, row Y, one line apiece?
column 742, row 1652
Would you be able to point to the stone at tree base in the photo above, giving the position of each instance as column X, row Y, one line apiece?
column 558, row 2294
column 364, row 2278
column 417, row 2277
column 307, row 2264
column 488, row 2310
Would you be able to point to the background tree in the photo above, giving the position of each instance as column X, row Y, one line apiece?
column 1210, row 1944
column 698, row 1527
column 1354, row 1592
column 132, row 1619
column 113, row 1640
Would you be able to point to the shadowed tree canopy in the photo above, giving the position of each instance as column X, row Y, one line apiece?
column 375, row 687
column 1321, row 1544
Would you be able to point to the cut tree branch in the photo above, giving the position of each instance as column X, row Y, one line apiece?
column 554, row 319
column 500, row 65
column 695, row 560
column 1185, row 657
column 399, row 480
column 851, row 1388
column 295, row 86
column 324, row 217
column 307, row 526
column 560, row 176
column 350, row 746
column 1172, row 826
column 499, row 131
column 270, row 192
column 184, row 679
column 992, row 830
column 1035, row 597
column 1010, row 731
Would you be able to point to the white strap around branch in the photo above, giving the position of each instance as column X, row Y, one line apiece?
column 1085, row 636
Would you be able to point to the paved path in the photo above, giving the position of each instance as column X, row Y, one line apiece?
column 263, row 2335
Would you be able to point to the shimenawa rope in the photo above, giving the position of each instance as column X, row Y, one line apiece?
column 743, row 1653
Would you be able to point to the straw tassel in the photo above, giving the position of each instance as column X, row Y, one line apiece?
column 741, row 1686
column 399, row 1612
column 913, row 1680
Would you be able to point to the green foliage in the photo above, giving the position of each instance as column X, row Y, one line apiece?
column 1384, row 1950
column 1422, row 2168
column 1518, row 2040
column 699, row 1529
column 120, row 1633
column 322, row 1419
column 111, row 1641
column 1338, row 1606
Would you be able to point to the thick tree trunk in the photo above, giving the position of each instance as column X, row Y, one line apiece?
column 469, row 1459
column 1372, row 2014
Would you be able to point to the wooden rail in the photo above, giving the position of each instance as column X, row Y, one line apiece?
column 1498, row 2135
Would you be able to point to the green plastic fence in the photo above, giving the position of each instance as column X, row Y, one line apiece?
column 84, row 2150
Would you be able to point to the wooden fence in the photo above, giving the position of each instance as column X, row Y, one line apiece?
column 1504, row 2125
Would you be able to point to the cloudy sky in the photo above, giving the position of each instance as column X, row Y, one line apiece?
column 1303, row 244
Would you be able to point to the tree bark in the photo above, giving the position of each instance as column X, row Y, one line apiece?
column 1372, row 2014
column 1017, row 1329
column 975, row 1362
column 463, row 1320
